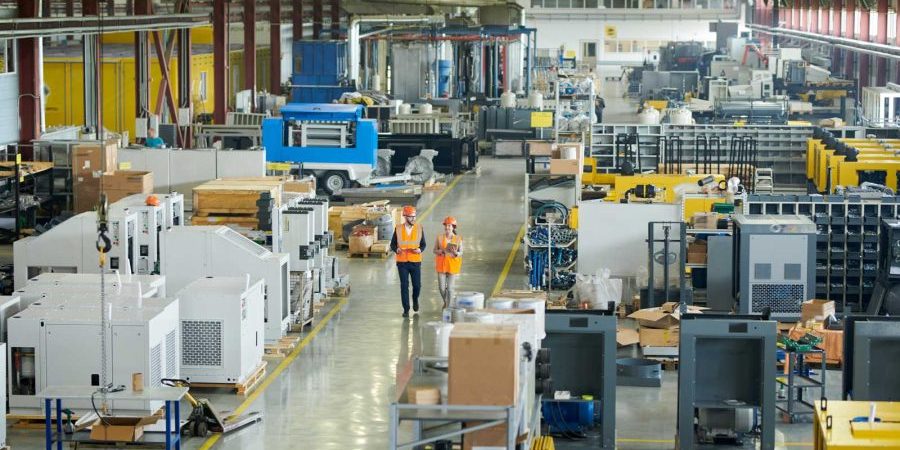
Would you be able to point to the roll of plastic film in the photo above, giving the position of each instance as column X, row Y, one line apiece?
column 436, row 339
column 539, row 307
column 501, row 303
column 454, row 315
column 470, row 301
column 479, row 317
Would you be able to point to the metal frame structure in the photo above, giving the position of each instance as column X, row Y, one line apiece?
column 742, row 377
column 869, row 374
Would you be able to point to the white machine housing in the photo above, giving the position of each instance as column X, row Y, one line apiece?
column 3, row 393
column 70, row 247
column 59, row 344
column 149, row 285
column 189, row 253
column 298, row 238
column 9, row 306
column 151, row 221
column 222, row 329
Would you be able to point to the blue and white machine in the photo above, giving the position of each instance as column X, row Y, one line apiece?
column 331, row 141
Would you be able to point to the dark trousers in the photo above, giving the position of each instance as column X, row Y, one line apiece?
column 409, row 270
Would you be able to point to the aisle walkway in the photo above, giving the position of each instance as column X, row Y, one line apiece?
column 335, row 395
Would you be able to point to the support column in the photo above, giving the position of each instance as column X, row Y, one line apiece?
column 29, row 65
column 849, row 32
column 185, row 81
column 250, row 45
column 317, row 19
column 70, row 12
column 275, row 46
column 297, row 18
column 142, row 63
column 335, row 19
column 220, row 60
column 93, row 105
column 881, row 38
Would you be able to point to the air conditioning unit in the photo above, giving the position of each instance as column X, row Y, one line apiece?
column 222, row 329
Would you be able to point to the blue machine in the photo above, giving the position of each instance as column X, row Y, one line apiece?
column 573, row 416
column 320, row 71
column 331, row 141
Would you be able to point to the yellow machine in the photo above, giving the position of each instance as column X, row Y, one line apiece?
column 876, row 161
column 845, row 425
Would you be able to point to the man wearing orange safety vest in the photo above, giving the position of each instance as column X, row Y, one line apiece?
column 448, row 259
column 408, row 242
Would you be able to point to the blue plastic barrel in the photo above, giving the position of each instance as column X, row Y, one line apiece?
column 444, row 67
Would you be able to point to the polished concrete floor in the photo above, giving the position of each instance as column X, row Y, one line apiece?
column 335, row 393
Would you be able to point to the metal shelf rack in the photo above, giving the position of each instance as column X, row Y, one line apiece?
column 800, row 385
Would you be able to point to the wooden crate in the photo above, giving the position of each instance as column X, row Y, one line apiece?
column 227, row 196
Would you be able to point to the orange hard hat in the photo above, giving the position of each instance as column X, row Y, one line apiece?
column 409, row 210
column 152, row 200
column 450, row 220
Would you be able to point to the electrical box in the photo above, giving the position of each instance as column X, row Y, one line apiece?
column 58, row 343
column 189, row 253
column 298, row 239
column 70, row 247
column 151, row 221
column 222, row 329
column 774, row 263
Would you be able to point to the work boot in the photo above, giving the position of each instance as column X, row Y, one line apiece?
column 405, row 313
column 416, row 307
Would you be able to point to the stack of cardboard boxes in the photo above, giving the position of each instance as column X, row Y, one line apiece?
column 658, row 328
column 813, row 314
column 122, row 183
column 559, row 164
column 89, row 163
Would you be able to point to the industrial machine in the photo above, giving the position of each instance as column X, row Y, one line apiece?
column 222, row 327
column 9, row 306
column 141, row 286
column 871, row 358
column 151, row 221
column 680, row 56
column 189, row 253
column 59, row 344
column 70, row 247
column 3, row 381
column 331, row 141
column 717, row 403
column 298, row 237
column 880, row 106
column 583, row 346
column 857, row 425
column 774, row 264
column 886, row 296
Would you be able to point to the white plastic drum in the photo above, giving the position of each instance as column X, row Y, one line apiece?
column 501, row 303
column 568, row 152
column 454, row 315
column 508, row 100
column 436, row 339
column 479, row 317
column 539, row 307
column 536, row 100
column 470, row 301
column 681, row 116
column 649, row 116
column 404, row 108
column 425, row 108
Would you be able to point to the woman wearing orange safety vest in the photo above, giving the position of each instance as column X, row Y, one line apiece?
column 448, row 259
column 408, row 242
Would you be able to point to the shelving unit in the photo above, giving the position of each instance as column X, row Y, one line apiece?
column 800, row 386
column 781, row 147
column 848, row 240
column 580, row 101
column 564, row 189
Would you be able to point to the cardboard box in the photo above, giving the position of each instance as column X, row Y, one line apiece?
column 423, row 395
column 121, row 429
column 86, row 190
column 696, row 252
column 816, row 310
column 705, row 221
column 95, row 158
column 626, row 337
column 832, row 342
column 134, row 181
column 540, row 148
column 654, row 337
column 663, row 317
column 564, row 167
column 475, row 350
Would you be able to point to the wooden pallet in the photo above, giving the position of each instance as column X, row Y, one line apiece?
column 226, row 212
column 667, row 363
column 284, row 346
column 240, row 388
column 243, row 221
column 298, row 327
column 382, row 255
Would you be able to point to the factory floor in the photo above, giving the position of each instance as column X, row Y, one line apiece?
column 334, row 392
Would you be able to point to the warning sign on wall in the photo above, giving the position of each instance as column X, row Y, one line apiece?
column 610, row 32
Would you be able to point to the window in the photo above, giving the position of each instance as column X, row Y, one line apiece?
column 843, row 21
column 891, row 25
column 203, row 81
column 588, row 49
column 8, row 65
column 873, row 24
column 857, row 22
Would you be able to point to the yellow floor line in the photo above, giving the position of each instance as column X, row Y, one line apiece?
column 280, row 368
column 509, row 261
column 440, row 197
column 672, row 441
column 312, row 334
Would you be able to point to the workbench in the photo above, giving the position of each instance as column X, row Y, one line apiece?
column 834, row 428
column 53, row 397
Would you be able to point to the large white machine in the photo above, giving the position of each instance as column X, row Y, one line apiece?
column 149, row 286
column 70, row 247
column 222, row 329
column 3, row 395
column 189, row 253
column 298, row 237
column 57, row 342
column 151, row 221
